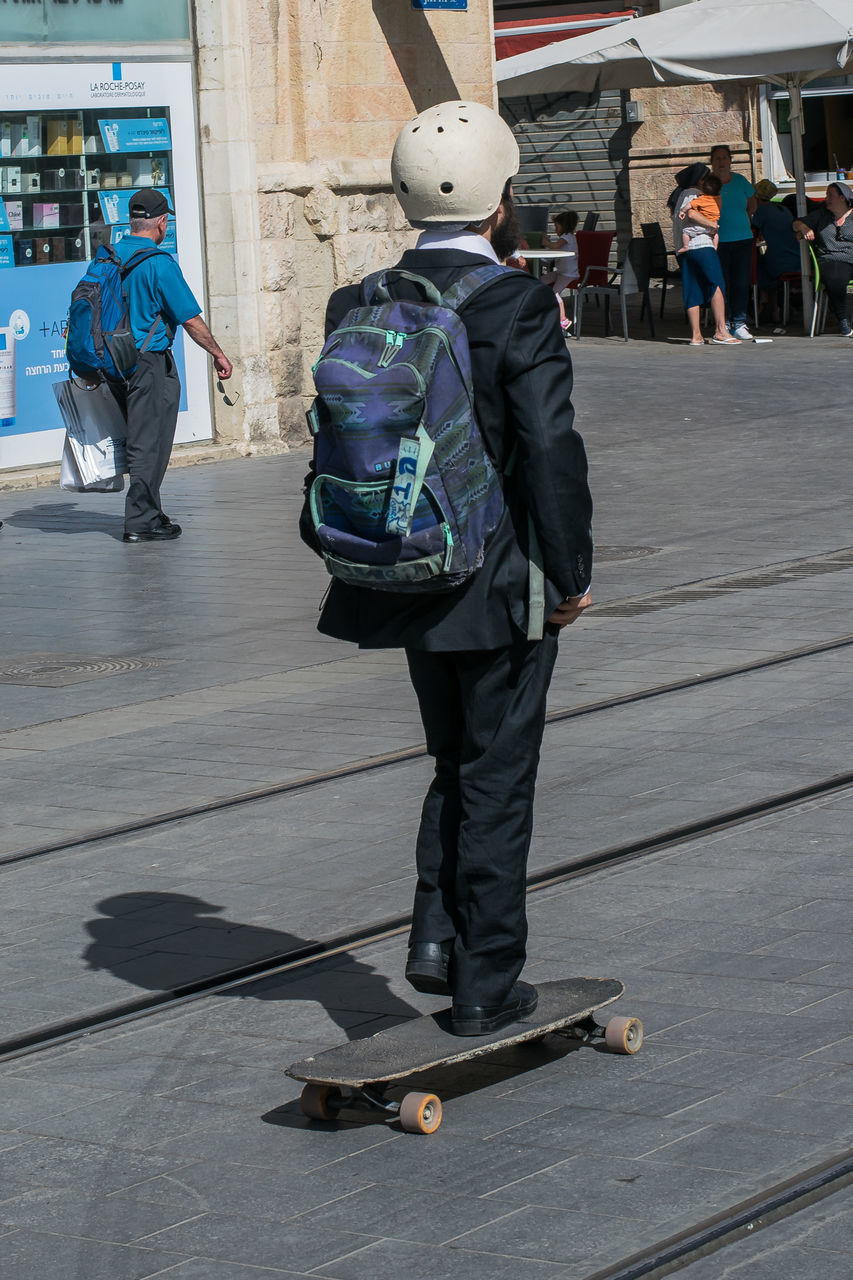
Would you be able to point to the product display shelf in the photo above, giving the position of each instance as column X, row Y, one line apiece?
column 75, row 178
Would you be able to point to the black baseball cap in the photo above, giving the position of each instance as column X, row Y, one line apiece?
column 148, row 203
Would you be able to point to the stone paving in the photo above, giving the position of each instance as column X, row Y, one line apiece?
column 174, row 1145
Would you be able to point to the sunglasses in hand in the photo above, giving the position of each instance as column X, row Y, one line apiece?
column 229, row 400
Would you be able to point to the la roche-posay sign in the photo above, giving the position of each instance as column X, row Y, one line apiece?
column 75, row 141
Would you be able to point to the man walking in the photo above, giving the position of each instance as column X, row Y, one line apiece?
column 158, row 300
column 480, row 682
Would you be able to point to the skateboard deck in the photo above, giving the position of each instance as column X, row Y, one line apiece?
column 355, row 1075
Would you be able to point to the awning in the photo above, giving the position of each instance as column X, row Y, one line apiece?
column 534, row 33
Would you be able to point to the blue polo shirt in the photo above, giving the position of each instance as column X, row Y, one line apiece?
column 155, row 287
column 734, row 219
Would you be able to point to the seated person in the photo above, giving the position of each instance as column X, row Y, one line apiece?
column 779, row 254
column 566, row 272
column 831, row 229
column 707, row 205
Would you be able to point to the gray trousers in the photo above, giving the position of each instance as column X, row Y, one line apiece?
column 150, row 404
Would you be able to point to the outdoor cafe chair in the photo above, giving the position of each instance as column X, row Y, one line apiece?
column 629, row 280
column 659, row 256
column 593, row 263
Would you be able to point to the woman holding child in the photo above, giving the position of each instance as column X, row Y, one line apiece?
column 738, row 204
column 694, row 235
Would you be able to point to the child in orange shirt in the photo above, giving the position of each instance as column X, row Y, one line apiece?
column 707, row 204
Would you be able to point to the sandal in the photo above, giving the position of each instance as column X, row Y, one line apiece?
column 727, row 342
column 700, row 343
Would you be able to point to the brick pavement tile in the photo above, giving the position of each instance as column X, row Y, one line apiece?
column 227, row 1086
column 790, row 1036
column 573, row 1128
column 232, row 1238
column 446, row 1163
column 736, row 964
column 782, row 1113
column 833, row 1086
column 27, row 1254
column 621, row 1186
column 671, row 935
column 70, row 1211
column 281, row 1134
column 587, row 1240
column 125, row 1121
column 271, row 1193
column 742, row 1148
column 102, row 1168
column 706, row 1068
column 23, row 1103
column 399, row 1213
column 389, row 1259
column 812, row 945
column 207, row 1269
column 639, row 1096
column 741, row 994
column 835, row 1007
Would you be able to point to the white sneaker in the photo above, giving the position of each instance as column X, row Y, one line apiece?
column 743, row 333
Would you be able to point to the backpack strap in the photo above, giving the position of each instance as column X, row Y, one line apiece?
column 467, row 286
column 135, row 260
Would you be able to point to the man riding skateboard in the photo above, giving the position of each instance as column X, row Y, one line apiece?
column 479, row 664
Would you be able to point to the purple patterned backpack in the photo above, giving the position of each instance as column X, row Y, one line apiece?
column 406, row 495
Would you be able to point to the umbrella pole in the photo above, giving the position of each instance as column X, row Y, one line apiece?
column 797, row 130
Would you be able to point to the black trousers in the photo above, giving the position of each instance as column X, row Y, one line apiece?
column 150, row 404
column 484, row 715
column 736, row 261
column 835, row 277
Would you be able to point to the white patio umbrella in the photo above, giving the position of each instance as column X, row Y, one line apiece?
column 784, row 42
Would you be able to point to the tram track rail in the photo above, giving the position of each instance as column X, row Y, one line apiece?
column 406, row 755
column 740, row 1221
column 55, row 1034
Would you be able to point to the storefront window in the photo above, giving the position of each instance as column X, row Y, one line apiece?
column 76, row 140
column 93, row 21
column 828, row 137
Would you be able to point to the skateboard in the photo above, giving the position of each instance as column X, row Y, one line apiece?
column 356, row 1076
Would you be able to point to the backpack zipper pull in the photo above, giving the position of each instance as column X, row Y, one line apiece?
column 393, row 343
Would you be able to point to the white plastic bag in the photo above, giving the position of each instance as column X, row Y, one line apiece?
column 70, row 478
column 94, row 455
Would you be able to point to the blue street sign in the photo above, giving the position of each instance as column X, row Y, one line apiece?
column 439, row 4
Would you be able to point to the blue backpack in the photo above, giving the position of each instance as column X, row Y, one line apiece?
column 100, row 342
column 405, row 495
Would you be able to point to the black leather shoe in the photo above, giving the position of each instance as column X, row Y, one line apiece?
column 481, row 1020
column 427, row 965
column 163, row 533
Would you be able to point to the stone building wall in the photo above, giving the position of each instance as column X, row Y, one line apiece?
column 681, row 125
column 299, row 105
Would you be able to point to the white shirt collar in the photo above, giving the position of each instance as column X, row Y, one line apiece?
column 466, row 241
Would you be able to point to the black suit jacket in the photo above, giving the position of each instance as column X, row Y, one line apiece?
column 522, row 390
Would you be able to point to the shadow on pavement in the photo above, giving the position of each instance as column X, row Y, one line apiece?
column 68, row 517
column 166, row 941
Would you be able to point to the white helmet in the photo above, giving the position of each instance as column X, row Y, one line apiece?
column 452, row 162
